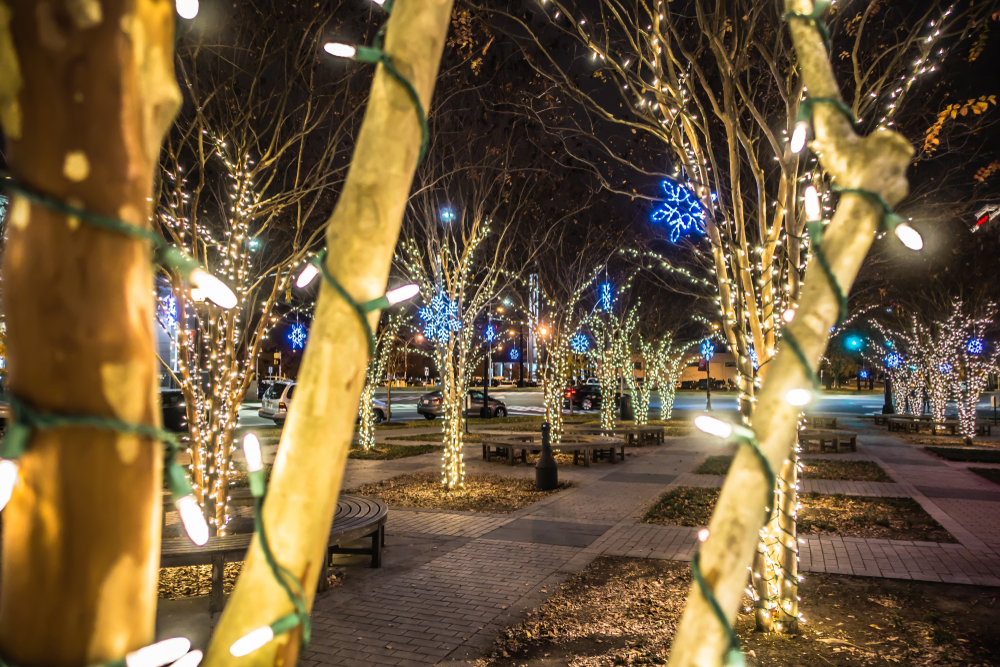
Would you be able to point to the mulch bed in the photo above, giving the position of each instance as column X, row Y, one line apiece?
column 851, row 471
column 970, row 454
column 992, row 474
column 194, row 580
column 437, row 437
column 482, row 493
column 846, row 516
column 624, row 612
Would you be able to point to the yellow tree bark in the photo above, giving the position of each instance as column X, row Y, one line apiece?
column 87, row 92
column 361, row 236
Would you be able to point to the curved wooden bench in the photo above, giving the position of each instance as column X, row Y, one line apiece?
column 355, row 518
column 828, row 440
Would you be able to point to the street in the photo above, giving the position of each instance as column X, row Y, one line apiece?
column 686, row 403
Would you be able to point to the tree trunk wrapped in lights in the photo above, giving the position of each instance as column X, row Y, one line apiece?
column 247, row 174
column 876, row 164
column 612, row 352
column 362, row 234
column 384, row 343
column 455, row 249
column 87, row 91
column 664, row 362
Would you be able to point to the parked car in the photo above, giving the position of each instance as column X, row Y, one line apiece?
column 592, row 381
column 264, row 383
column 585, row 397
column 174, row 410
column 503, row 382
column 278, row 401
column 688, row 384
column 431, row 405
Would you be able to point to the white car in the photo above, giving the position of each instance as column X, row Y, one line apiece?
column 278, row 401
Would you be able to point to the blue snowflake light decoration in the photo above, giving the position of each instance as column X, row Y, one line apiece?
column 490, row 334
column 944, row 368
column 298, row 336
column 893, row 360
column 863, row 375
column 681, row 211
column 606, row 296
column 579, row 343
column 441, row 318
column 514, row 354
column 168, row 312
column 707, row 349
column 974, row 346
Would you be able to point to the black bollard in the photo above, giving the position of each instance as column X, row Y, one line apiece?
column 546, row 470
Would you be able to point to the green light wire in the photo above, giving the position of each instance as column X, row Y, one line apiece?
column 814, row 228
column 288, row 581
column 320, row 262
column 27, row 420
column 164, row 253
column 374, row 54
column 819, row 6
column 890, row 220
column 734, row 656
column 806, row 109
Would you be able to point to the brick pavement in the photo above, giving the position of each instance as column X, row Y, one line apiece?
column 450, row 606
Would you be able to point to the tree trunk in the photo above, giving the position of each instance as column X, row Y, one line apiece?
column 877, row 163
column 362, row 235
column 87, row 91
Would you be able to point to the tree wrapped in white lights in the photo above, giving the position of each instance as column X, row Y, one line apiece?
column 612, row 350
column 455, row 248
column 663, row 359
column 247, row 178
column 385, row 342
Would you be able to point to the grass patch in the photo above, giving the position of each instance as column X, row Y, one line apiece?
column 386, row 452
column 683, row 506
column 992, row 474
column 848, row 471
column 846, row 516
column 482, row 493
column 624, row 612
column 715, row 465
column 969, row 454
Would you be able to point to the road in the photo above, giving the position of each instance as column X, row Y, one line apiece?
column 529, row 402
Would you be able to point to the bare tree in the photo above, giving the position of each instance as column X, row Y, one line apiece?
column 248, row 175
column 457, row 248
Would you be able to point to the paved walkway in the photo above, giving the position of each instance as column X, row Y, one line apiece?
column 476, row 573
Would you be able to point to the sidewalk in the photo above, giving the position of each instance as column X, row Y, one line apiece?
column 486, row 570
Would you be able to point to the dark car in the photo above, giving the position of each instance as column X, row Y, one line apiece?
column 174, row 410
column 430, row 405
column 585, row 397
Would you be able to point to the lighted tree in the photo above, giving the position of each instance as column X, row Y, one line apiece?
column 612, row 349
column 384, row 344
column 663, row 358
column 248, row 176
column 456, row 247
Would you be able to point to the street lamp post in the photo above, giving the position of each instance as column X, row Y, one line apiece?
column 708, row 351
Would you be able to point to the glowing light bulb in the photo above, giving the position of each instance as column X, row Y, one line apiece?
column 8, row 477
column 197, row 294
column 160, row 653
column 307, row 276
column 403, row 293
column 340, row 50
column 192, row 519
column 713, row 426
column 799, row 135
column 251, row 641
column 251, row 453
column 813, row 209
column 910, row 237
column 788, row 315
column 187, row 9
column 703, row 534
column 214, row 289
column 799, row 397
column 192, row 659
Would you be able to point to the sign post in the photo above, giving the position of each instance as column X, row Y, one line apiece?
column 707, row 352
